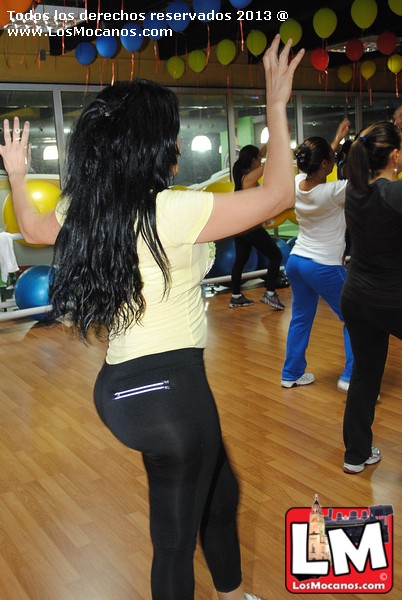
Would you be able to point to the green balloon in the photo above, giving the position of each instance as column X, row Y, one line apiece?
column 290, row 29
column 325, row 22
column 197, row 60
column 175, row 66
column 226, row 51
column 364, row 13
column 256, row 42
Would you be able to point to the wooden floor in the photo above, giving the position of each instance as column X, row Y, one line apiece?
column 73, row 501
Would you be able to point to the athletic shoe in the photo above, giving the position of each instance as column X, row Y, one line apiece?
column 272, row 300
column 305, row 379
column 343, row 386
column 374, row 458
column 251, row 597
column 240, row 301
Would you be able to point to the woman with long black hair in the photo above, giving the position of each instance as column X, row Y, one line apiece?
column 371, row 299
column 247, row 170
column 130, row 256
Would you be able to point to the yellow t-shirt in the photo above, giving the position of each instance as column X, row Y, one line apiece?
column 176, row 320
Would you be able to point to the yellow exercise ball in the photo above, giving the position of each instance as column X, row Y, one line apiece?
column 45, row 196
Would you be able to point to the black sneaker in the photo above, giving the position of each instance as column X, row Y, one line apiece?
column 240, row 301
column 272, row 300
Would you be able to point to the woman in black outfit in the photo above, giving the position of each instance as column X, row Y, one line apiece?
column 247, row 170
column 371, row 300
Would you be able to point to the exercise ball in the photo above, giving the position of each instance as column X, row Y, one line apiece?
column 45, row 197
column 225, row 257
column 32, row 289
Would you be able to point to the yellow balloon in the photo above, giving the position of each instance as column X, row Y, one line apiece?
column 176, row 66
column 333, row 176
column 345, row 73
column 226, row 52
column 394, row 63
column 325, row 22
column 364, row 12
column 219, row 187
column 368, row 68
column 396, row 6
column 197, row 60
column 45, row 197
column 290, row 29
column 292, row 216
column 256, row 42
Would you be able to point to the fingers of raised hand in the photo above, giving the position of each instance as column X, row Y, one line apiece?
column 17, row 134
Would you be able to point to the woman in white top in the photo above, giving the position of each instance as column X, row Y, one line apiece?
column 315, row 266
column 131, row 254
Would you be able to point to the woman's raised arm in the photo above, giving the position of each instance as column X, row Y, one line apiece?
column 238, row 211
column 36, row 227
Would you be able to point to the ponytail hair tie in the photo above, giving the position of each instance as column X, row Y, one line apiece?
column 363, row 139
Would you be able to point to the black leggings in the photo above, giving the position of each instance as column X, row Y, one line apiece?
column 369, row 328
column 162, row 406
column 260, row 240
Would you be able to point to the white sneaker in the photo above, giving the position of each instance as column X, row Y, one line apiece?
column 372, row 459
column 343, row 386
column 251, row 597
column 305, row 379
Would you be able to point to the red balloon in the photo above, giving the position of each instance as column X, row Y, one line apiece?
column 4, row 16
column 387, row 42
column 354, row 49
column 20, row 6
column 319, row 58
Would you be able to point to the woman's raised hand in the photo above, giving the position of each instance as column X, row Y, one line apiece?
column 16, row 152
column 279, row 71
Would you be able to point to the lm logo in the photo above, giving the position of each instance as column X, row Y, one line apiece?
column 350, row 551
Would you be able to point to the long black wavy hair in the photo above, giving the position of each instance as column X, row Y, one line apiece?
column 243, row 164
column 370, row 152
column 121, row 153
column 310, row 154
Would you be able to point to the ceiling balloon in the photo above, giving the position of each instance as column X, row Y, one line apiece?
column 226, row 52
column 256, row 42
column 387, row 42
column 364, row 13
column 354, row 49
column 345, row 73
column 325, row 22
column 319, row 58
column 290, row 29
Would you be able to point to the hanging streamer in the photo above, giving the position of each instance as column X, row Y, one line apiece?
column 113, row 72
column 241, row 32
column 86, row 79
column 208, row 45
column 156, row 54
column 132, row 66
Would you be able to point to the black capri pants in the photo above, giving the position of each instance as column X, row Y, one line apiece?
column 259, row 239
column 162, row 406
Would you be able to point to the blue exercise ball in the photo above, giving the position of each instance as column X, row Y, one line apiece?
column 225, row 257
column 32, row 289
